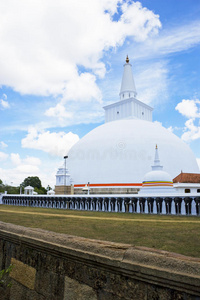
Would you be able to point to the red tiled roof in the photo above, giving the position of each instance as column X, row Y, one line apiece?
column 187, row 178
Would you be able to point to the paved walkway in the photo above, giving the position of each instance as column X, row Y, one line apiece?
column 100, row 218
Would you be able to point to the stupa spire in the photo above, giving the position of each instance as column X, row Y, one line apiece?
column 128, row 89
column 157, row 165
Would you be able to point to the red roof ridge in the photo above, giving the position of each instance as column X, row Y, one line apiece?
column 187, row 178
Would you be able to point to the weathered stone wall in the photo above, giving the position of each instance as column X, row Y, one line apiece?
column 105, row 191
column 64, row 189
column 55, row 266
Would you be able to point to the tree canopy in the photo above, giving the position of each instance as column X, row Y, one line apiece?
column 33, row 181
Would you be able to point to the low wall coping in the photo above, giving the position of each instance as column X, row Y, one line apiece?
column 151, row 265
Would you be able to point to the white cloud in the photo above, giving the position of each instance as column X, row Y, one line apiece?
column 83, row 88
column 148, row 91
column 171, row 129
column 15, row 158
column 3, row 156
column 27, row 169
column 4, row 104
column 3, row 145
column 158, row 123
column 29, row 166
column 22, row 168
column 59, row 112
column 171, row 40
column 189, row 108
column 143, row 24
column 31, row 160
column 192, row 131
column 179, row 39
column 56, row 144
column 55, row 47
column 72, row 113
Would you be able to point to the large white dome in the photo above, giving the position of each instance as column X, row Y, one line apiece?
column 123, row 152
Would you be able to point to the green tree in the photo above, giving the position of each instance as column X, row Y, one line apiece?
column 33, row 181
column 11, row 189
column 1, row 186
column 40, row 191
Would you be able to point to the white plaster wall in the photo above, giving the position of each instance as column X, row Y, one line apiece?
column 128, row 109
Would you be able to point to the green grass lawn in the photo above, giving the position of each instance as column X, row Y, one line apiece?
column 178, row 234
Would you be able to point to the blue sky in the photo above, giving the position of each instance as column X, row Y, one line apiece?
column 62, row 61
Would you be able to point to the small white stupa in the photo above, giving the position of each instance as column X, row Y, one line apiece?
column 157, row 180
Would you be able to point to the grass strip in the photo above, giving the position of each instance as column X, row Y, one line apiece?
column 180, row 234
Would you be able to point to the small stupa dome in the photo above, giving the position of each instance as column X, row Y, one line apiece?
column 157, row 180
column 157, row 176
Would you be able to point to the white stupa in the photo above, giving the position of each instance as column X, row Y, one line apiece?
column 120, row 152
column 157, row 181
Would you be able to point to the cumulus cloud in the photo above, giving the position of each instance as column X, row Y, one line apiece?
column 27, row 169
column 72, row 113
column 192, row 131
column 59, row 112
column 3, row 156
column 22, row 167
column 158, row 123
column 190, row 108
column 28, row 165
column 4, row 103
column 82, row 89
column 56, row 144
column 29, row 160
column 15, row 158
column 171, row 129
column 55, row 47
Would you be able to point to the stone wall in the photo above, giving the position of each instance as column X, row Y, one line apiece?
column 55, row 266
column 105, row 191
column 64, row 189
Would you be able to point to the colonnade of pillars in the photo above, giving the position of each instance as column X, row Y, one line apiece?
column 160, row 205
